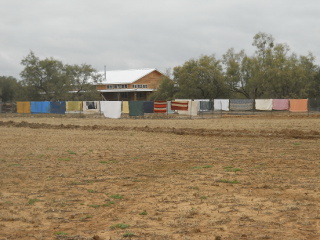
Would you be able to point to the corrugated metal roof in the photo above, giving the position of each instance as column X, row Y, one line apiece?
column 125, row 76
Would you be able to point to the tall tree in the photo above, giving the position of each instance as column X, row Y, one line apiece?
column 314, row 90
column 84, row 79
column 241, row 74
column 200, row 79
column 271, row 72
column 51, row 80
column 47, row 77
column 291, row 77
column 8, row 89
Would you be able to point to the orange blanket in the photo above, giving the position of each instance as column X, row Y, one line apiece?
column 23, row 107
column 298, row 105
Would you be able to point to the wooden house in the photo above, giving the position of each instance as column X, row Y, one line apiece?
column 129, row 85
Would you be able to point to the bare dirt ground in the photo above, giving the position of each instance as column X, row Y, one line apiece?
column 94, row 178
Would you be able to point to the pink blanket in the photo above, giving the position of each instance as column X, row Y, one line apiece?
column 280, row 104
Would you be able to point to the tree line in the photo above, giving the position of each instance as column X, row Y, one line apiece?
column 51, row 80
column 271, row 72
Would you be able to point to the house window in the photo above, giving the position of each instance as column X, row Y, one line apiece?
column 109, row 86
column 124, row 86
column 140, row 86
column 116, row 86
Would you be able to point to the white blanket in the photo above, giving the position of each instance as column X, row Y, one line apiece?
column 111, row 109
column 264, row 104
column 221, row 104
column 195, row 107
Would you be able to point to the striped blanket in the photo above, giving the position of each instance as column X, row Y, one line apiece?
column 160, row 106
column 179, row 105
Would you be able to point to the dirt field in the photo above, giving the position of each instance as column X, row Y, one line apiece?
column 226, row 178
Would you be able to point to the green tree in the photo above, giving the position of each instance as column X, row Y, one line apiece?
column 8, row 88
column 285, row 75
column 46, row 78
column 241, row 75
column 200, row 79
column 51, row 80
column 166, row 90
column 84, row 79
column 272, row 72
column 291, row 78
column 314, row 90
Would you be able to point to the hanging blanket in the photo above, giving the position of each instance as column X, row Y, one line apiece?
column 111, row 109
column 221, row 104
column 298, row 105
column 241, row 104
column 169, row 108
column 58, row 107
column 40, row 107
column 314, row 104
column 160, row 106
column 280, row 104
column 198, row 103
column 23, row 107
column 91, row 107
column 179, row 105
column 263, row 104
column 206, row 106
column 136, row 108
column 195, row 106
column 73, row 106
column 148, row 107
column 125, row 107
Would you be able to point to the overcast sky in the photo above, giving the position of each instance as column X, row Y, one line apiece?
column 126, row 34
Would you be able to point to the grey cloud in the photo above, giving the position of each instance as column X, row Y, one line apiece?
column 143, row 33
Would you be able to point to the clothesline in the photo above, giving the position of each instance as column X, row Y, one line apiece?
column 114, row 109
